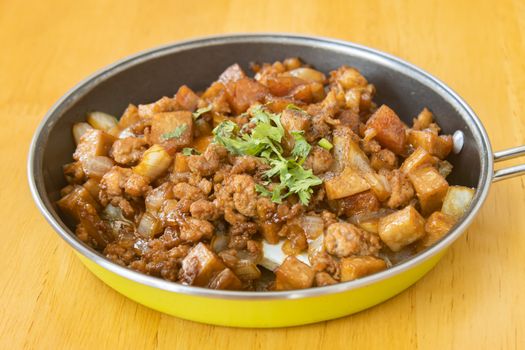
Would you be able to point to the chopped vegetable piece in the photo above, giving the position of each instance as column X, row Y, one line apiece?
column 200, row 266
column 176, row 133
column 457, row 201
column 356, row 267
column 439, row 146
column 80, row 129
column 437, row 226
column 93, row 143
column 102, row 121
column 325, row 144
column 172, row 129
column 401, row 228
column 293, row 274
column 347, row 183
column 430, row 187
column 188, row 151
column 201, row 111
column 154, row 163
column 389, row 129
column 418, row 159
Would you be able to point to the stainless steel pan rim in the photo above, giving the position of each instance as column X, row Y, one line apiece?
column 38, row 143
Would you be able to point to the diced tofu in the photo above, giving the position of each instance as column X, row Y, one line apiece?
column 390, row 130
column 360, row 266
column 360, row 203
column 155, row 161
column 401, row 228
column 293, row 274
column 70, row 204
column 186, row 98
column 430, row 187
column 437, row 226
column 324, row 279
column 439, row 146
column 181, row 163
column 457, row 201
column 418, row 159
column 172, row 129
column 293, row 120
column 371, row 225
column 200, row 266
column 347, row 183
column 93, row 143
column 225, row 280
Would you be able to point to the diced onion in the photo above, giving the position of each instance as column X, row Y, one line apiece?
column 308, row 74
column 247, row 270
column 102, row 121
column 80, row 129
column 154, row 163
column 313, row 226
column 97, row 166
column 149, row 226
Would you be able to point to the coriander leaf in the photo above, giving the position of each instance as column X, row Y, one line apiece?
column 294, row 107
column 176, row 133
column 301, row 148
column 187, row 151
column 327, row 145
column 201, row 111
column 263, row 190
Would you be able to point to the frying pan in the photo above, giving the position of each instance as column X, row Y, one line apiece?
column 149, row 75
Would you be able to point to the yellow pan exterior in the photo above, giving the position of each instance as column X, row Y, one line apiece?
column 263, row 313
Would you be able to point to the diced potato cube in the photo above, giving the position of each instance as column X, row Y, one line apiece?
column 360, row 266
column 181, row 163
column 101, row 121
column 437, row 226
column 439, row 146
column 172, row 129
column 401, row 228
column 371, row 225
column 155, row 161
column 246, row 92
column 200, row 266
column 418, row 159
column 186, row 98
column 430, row 187
column 324, row 279
column 71, row 203
column 347, row 183
column 93, row 143
column 293, row 274
column 457, row 201
column 225, row 280
column 293, row 120
column 390, row 130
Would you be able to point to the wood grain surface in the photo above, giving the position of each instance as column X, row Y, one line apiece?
column 474, row 299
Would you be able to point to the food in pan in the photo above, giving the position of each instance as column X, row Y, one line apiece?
column 291, row 179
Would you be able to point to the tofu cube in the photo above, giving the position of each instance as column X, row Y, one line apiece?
column 457, row 201
column 226, row 279
column 431, row 188
column 390, row 130
column 181, row 163
column 360, row 266
column 438, row 224
column 439, row 146
column 200, row 266
column 347, row 183
column 401, row 228
column 293, row 274
column 93, row 143
column 418, row 159
column 173, row 130
column 360, row 203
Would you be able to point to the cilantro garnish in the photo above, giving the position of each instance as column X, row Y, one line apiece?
column 187, row 151
column 201, row 111
column 264, row 141
column 176, row 133
column 325, row 144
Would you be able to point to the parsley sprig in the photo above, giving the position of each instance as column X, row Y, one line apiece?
column 264, row 141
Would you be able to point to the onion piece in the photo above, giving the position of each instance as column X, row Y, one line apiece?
column 313, row 226
column 247, row 270
column 80, row 129
column 155, row 161
column 308, row 74
column 102, row 121
column 95, row 167
column 149, row 226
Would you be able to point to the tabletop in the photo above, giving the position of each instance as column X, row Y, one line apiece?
column 473, row 298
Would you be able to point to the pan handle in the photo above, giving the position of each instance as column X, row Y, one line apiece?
column 513, row 171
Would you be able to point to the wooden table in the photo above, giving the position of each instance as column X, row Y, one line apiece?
column 473, row 299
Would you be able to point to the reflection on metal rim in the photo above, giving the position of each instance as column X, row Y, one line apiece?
column 38, row 143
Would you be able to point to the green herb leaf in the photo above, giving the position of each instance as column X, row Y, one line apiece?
column 264, row 141
column 325, row 144
column 187, row 151
column 301, row 148
column 201, row 111
column 176, row 133
column 294, row 107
